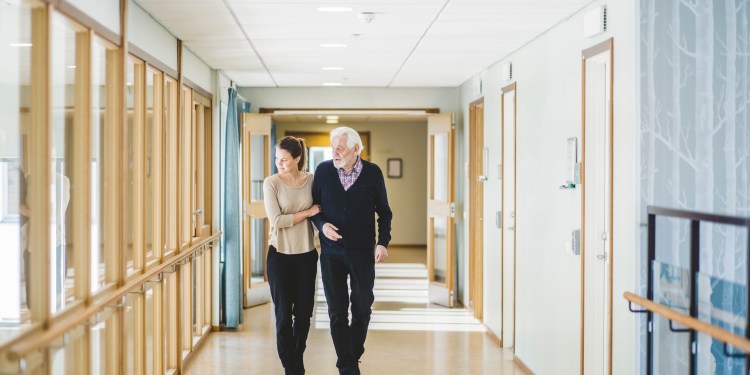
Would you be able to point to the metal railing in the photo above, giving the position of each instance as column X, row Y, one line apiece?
column 691, row 320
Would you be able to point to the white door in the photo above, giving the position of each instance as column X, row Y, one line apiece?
column 440, row 249
column 508, row 212
column 597, row 214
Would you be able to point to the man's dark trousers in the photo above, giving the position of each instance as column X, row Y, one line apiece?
column 349, row 340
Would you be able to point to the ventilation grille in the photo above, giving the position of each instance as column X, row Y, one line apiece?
column 507, row 69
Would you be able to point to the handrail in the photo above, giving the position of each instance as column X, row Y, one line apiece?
column 58, row 328
column 718, row 333
column 701, row 216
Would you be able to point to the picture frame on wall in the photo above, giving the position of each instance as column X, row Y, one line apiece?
column 395, row 168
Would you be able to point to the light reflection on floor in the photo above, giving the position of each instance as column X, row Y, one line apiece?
column 402, row 304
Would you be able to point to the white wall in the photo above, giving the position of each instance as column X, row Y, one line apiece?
column 151, row 36
column 106, row 12
column 197, row 71
column 548, row 75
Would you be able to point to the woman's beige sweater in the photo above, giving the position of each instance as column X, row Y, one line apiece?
column 282, row 202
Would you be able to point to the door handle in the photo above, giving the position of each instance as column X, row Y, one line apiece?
column 511, row 227
column 601, row 256
column 198, row 212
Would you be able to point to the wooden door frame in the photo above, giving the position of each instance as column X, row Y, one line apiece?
column 253, row 124
column 602, row 47
column 506, row 89
column 476, row 209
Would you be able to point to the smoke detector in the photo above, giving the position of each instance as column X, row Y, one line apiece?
column 366, row 17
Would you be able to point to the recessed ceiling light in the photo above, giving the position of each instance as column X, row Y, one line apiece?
column 333, row 45
column 333, row 68
column 332, row 117
column 71, row 66
column 332, row 84
column 129, row 83
column 335, row 9
column 20, row 44
column 332, row 121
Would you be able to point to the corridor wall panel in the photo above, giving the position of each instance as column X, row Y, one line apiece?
column 148, row 35
column 196, row 70
column 695, row 150
column 547, row 72
column 106, row 12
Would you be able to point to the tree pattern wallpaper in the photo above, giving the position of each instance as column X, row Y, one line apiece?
column 695, row 155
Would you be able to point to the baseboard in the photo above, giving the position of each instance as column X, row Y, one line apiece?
column 522, row 365
column 493, row 336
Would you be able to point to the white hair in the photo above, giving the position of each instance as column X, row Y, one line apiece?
column 352, row 137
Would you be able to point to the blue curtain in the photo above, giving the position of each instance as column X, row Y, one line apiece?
column 231, row 261
column 273, row 149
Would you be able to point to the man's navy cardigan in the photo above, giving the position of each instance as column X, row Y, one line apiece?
column 352, row 211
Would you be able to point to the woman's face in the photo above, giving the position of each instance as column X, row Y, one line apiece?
column 285, row 163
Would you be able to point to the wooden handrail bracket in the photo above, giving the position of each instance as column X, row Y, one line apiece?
column 716, row 332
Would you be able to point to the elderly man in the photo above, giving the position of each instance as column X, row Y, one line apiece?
column 350, row 191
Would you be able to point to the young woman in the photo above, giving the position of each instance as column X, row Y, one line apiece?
column 292, row 258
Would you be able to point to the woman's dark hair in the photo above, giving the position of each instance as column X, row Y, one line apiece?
column 296, row 147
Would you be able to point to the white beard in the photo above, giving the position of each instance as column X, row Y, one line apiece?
column 342, row 163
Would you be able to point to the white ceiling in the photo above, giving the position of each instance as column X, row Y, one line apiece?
column 410, row 43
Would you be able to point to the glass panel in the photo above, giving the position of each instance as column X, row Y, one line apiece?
column 129, row 188
column 129, row 333
column 170, row 312
column 15, row 64
column 440, row 248
column 317, row 155
column 440, row 168
column 63, row 358
column 186, row 307
column 170, row 166
column 197, row 111
column 149, row 150
column 673, row 241
column 258, row 250
column 63, row 103
column 98, row 113
column 150, row 330
column 207, row 286
column 99, row 344
column 196, row 280
column 259, row 159
column 724, row 304
column 186, row 213
column 672, row 289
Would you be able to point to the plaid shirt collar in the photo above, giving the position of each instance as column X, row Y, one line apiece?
column 347, row 179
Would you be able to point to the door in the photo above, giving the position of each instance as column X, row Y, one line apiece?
column 440, row 209
column 508, row 217
column 596, row 253
column 256, row 166
column 476, row 207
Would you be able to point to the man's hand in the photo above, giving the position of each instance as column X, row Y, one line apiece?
column 331, row 232
column 381, row 254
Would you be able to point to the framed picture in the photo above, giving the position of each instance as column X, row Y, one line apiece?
column 394, row 168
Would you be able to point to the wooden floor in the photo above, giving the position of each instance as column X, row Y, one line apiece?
column 407, row 334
